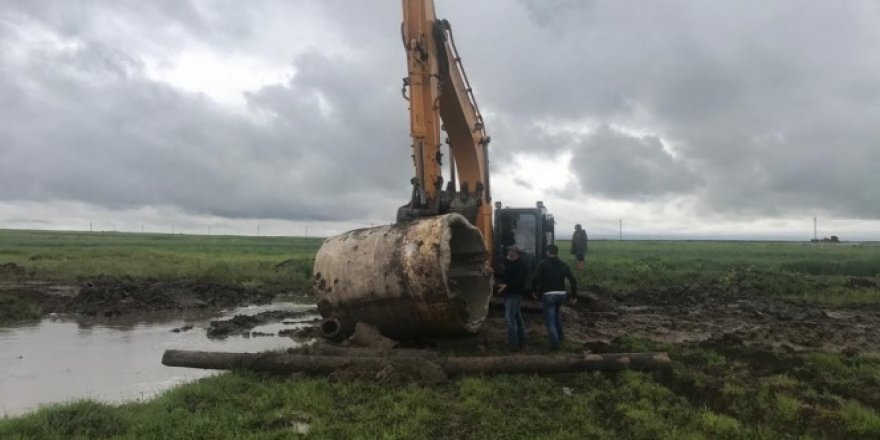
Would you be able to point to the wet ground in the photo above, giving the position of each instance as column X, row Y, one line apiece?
column 66, row 357
column 706, row 315
column 109, row 297
column 104, row 338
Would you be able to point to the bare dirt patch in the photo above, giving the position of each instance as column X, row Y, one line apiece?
column 11, row 270
column 704, row 314
column 116, row 296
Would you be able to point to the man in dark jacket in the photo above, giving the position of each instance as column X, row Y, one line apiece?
column 513, row 284
column 579, row 244
column 549, row 282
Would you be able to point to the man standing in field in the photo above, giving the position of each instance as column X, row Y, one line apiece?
column 513, row 284
column 549, row 282
column 579, row 244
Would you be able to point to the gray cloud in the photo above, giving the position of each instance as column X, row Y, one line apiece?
column 620, row 166
column 771, row 108
column 90, row 127
column 774, row 105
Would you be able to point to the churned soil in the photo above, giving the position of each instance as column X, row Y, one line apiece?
column 706, row 315
column 116, row 296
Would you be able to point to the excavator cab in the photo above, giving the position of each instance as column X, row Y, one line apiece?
column 530, row 229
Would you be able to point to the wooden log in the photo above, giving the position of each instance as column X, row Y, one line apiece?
column 283, row 363
column 422, row 369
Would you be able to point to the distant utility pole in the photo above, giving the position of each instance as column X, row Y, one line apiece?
column 620, row 229
column 172, row 229
column 307, row 231
column 258, row 230
column 209, row 230
column 815, row 229
column 90, row 227
column 142, row 228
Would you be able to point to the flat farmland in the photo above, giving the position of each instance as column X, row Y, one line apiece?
column 768, row 340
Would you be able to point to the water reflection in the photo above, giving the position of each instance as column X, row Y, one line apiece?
column 61, row 359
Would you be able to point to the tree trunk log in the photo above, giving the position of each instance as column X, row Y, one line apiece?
column 281, row 363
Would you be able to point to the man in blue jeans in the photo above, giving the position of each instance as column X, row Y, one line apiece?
column 549, row 282
column 513, row 284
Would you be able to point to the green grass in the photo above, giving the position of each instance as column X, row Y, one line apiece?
column 815, row 273
column 712, row 393
column 708, row 394
column 15, row 309
column 72, row 256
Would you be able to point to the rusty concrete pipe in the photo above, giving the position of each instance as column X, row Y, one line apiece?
column 422, row 278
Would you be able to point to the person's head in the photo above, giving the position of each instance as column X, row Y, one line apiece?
column 577, row 227
column 552, row 250
column 512, row 253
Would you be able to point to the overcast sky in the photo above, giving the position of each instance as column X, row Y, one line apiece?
column 709, row 119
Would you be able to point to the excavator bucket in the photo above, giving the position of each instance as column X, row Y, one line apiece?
column 424, row 278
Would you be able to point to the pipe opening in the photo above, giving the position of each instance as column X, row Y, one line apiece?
column 330, row 328
column 467, row 272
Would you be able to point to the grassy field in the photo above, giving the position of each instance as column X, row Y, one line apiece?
column 818, row 273
column 710, row 394
column 712, row 391
column 73, row 256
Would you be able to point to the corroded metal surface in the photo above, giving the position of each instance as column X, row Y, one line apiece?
column 421, row 278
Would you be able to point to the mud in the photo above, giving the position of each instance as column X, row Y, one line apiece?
column 51, row 297
column 705, row 315
column 115, row 296
column 695, row 314
column 11, row 270
column 241, row 325
column 308, row 332
column 699, row 314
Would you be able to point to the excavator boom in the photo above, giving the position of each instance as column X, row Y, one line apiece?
column 440, row 96
column 428, row 274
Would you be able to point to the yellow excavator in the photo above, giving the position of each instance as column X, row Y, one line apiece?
column 430, row 274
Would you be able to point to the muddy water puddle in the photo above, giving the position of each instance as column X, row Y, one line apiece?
column 61, row 358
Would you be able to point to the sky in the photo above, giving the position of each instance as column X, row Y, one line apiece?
column 683, row 119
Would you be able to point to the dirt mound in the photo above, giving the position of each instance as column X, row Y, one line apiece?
column 111, row 296
column 11, row 270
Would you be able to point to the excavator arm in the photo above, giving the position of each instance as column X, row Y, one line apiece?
column 441, row 98
column 426, row 275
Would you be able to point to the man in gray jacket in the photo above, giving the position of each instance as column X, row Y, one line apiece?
column 579, row 244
